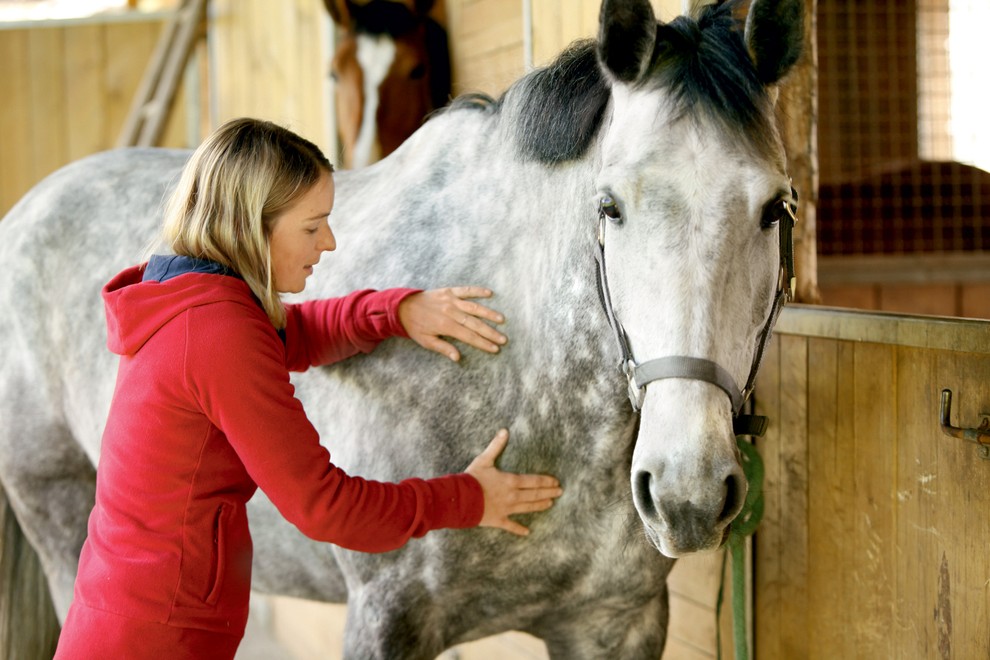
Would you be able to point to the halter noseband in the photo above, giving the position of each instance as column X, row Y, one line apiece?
column 678, row 366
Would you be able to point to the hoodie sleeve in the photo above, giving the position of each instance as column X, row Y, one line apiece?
column 245, row 391
column 320, row 332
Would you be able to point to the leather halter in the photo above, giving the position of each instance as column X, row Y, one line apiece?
column 678, row 366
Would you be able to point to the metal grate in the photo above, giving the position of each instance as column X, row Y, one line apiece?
column 902, row 168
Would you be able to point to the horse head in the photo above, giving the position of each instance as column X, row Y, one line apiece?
column 692, row 193
column 392, row 69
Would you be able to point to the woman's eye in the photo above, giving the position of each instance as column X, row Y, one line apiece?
column 608, row 206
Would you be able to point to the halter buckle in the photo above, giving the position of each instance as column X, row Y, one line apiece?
column 636, row 393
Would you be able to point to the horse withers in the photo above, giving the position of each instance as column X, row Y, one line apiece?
column 652, row 151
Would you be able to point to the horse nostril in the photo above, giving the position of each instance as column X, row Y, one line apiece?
column 735, row 491
column 643, row 494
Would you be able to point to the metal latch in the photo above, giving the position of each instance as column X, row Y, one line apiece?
column 980, row 435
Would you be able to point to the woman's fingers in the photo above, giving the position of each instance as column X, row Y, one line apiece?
column 508, row 493
column 469, row 326
column 492, row 451
column 429, row 315
column 513, row 526
column 524, row 497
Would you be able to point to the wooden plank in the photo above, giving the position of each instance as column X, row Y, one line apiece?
column 312, row 71
column 768, row 596
column 85, row 60
column 680, row 650
column 962, row 608
column 950, row 334
column 916, row 504
column 936, row 268
column 490, row 74
column 857, row 296
column 975, row 301
column 47, row 127
column 15, row 114
column 696, row 578
column 692, row 624
column 227, row 28
column 482, row 15
column 128, row 47
column 831, row 518
column 937, row 299
column 874, row 413
column 792, row 482
column 548, row 35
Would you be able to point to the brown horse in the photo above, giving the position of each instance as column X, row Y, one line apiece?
column 392, row 70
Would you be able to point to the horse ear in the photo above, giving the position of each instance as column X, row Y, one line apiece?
column 340, row 12
column 627, row 32
column 775, row 36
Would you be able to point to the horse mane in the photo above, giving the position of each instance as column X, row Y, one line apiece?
column 702, row 63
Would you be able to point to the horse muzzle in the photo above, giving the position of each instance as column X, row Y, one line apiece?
column 687, row 478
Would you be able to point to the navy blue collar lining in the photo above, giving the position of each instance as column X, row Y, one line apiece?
column 162, row 268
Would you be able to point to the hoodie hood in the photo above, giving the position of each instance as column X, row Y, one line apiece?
column 141, row 299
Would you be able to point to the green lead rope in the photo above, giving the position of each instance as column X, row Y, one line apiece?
column 744, row 525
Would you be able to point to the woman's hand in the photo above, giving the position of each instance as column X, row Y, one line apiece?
column 428, row 315
column 507, row 493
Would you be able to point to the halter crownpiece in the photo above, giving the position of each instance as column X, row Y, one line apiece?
column 693, row 368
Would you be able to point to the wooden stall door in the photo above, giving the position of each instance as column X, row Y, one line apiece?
column 876, row 538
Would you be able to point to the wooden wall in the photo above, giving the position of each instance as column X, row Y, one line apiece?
column 489, row 37
column 941, row 284
column 67, row 88
column 68, row 85
column 875, row 538
column 271, row 59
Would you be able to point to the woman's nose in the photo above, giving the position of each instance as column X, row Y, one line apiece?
column 329, row 243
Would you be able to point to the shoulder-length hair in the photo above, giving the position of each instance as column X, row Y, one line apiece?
column 231, row 192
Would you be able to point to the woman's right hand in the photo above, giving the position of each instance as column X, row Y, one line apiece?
column 507, row 493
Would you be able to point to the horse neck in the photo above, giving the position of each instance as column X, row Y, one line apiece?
column 456, row 205
column 456, row 201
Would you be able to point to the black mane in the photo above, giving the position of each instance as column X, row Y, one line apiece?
column 702, row 63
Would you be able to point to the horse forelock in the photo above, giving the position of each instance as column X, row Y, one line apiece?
column 704, row 68
column 386, row 17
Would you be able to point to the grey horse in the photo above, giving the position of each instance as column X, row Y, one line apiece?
column 655, row 148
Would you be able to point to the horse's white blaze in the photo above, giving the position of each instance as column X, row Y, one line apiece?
column 375, row 54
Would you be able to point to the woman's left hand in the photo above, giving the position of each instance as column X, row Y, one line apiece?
column 428, row 315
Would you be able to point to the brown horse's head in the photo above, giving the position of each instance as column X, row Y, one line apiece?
column 392, row 69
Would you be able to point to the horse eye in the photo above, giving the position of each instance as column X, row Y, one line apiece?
column 418, row 72
column 608, row 206
column 773, row 212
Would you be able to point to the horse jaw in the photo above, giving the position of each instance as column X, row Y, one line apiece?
column 687, row 480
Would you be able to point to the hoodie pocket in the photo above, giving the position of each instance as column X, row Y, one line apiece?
column 218, row 555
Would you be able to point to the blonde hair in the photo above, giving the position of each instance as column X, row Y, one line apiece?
column 237, row 183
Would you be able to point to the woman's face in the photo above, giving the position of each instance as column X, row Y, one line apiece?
column 300, row 235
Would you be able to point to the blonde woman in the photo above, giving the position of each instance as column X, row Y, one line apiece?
column 204, row 413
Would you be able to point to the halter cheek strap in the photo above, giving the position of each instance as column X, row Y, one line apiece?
column 693, row 368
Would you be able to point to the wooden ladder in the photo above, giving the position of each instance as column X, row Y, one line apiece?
column 153, row 100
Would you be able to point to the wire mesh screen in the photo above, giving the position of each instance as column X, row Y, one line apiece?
column 903, row 156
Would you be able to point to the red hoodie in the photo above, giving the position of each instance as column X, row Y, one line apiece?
column 203, row 413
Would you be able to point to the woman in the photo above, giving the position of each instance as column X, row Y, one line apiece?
column 203, row 412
